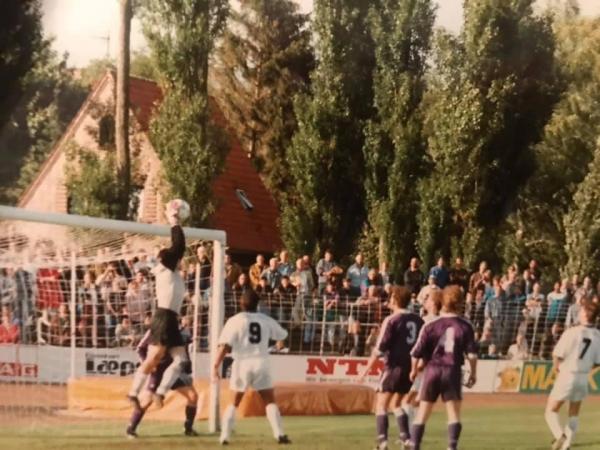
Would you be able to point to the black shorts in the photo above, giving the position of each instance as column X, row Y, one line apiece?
column 395, row 380
column 164, row 329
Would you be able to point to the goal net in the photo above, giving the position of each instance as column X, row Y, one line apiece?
column 77, row 295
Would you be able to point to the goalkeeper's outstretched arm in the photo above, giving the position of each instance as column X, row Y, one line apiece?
column 171, row 256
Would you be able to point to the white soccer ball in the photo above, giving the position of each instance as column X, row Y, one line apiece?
column 178, row 207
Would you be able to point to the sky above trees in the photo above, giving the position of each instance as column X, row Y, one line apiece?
column 81, row 28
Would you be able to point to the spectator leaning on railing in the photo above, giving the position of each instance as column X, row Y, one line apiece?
column 477, row 279
column 284, row 266
column 494, row 313
column 272, row 274
column 256, row 270
column 232, row 272
column 558, row 302
column 125, row 335
column 326, row 267
column 519, row 351
column 357, row 273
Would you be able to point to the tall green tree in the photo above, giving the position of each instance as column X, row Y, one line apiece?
column 263, row 61
column 49, row 100
column 21, row 41
column 395, row 148
column 181, row 35
column 325, row 157
column 492, row 91
column 582, row 224
column 536, row 228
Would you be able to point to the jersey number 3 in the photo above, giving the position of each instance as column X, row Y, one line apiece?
column 586, row 345
column 255, row 333
column 412, row 333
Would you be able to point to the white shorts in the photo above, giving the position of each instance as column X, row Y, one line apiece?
column 570, row 386
column 416, row 386
column 251, row 373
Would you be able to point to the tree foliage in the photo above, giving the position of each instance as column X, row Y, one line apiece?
column 264, row 60
column 394, row 148
column 537, row 227
column 492, row 91
column 325, row 157
column 49, row 100
column 92, row 183
column 21, row 42
column 181, row 35
column 582, row 224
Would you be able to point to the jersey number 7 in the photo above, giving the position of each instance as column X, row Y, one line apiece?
column 586, row 345
column 255, row 333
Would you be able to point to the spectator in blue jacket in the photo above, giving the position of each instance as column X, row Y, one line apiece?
column 440, row 272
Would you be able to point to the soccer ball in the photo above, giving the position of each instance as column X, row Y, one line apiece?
column 178, row 207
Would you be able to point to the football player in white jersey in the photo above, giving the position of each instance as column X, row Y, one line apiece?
column 246, row 335
column 575, row 354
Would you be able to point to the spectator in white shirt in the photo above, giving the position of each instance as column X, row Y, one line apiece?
column 518, row 351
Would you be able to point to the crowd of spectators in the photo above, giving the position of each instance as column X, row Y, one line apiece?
column 326, row 308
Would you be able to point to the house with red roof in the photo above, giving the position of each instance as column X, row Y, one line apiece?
column 245, row 209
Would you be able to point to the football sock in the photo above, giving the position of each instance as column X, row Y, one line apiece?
column 454, row 430
column 227, row 423
column 274, row 418
column 570, row 430
column 382, row 427
column 139, row 380
column 417, row 432
column 402, row 421
column 553, row 421
column 190, row 415
column 410, row 412
column 136, row 418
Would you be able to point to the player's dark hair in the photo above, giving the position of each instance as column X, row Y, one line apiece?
column 249, row 301
column 452, row 299
column 400, row 296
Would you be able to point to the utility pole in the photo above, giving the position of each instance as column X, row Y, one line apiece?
column 122, row 108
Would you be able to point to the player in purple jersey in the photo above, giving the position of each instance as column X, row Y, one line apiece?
column 431, row 310
column 398, row 334
column 184, row 385
column 441, row 349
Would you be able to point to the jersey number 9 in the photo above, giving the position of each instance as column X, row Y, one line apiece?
column 255, row 333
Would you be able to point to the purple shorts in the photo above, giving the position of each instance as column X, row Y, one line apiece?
column 394, row 379
column 441, row 380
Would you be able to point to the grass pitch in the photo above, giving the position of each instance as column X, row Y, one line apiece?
column 491, row 426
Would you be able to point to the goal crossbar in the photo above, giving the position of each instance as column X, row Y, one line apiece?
column 13, row 213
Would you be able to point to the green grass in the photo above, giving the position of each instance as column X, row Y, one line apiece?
column 489, row 428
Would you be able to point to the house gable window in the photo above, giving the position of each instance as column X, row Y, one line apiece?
column 244, row 200
column 106, row 132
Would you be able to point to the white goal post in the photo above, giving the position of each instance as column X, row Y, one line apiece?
column 216, row 305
